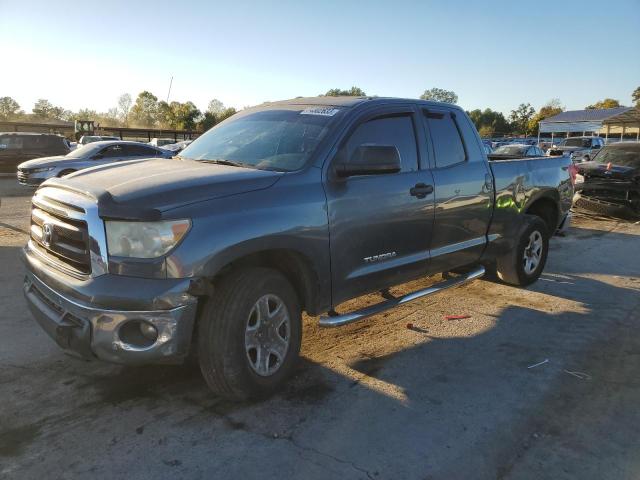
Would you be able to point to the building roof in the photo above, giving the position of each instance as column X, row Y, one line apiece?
column 586, row 115
column 630, row 116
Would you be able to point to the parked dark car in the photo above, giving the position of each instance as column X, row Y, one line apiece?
column 512, row 151
column 16, row 148
column 34, row 172
column 286, row 207
column 610, row 184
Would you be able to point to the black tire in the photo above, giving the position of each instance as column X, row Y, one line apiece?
column 511, row 266
column 65, row 172
column 225, row 360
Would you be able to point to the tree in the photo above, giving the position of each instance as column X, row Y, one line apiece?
column 178, row 116
column 43, row 109
column 606, row 103
column 553, row 107
column 124, row 107
column 489, row 122
column 144, row 112
column 9, row 108
column 635, row 96
column 226, row 113
column 521, row 116
column 440, row 95
column 352, row 92
column 215, row 107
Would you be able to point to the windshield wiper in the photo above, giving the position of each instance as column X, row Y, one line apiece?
column 220, row 161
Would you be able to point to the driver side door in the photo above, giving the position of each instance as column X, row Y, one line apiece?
column 380, row 224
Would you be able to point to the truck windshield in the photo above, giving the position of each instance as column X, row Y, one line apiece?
column 577, row 142
column 510, row 150
column 280, row 139
column 625, row 156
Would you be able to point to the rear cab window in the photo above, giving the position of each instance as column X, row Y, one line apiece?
column 448, row 146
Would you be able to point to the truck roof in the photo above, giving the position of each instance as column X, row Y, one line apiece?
column 348, row 101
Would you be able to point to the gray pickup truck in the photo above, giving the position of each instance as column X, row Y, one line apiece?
column 286, row 207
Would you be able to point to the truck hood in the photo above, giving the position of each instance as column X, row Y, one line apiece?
column 600, row 171
column 42, row 162
column 157, row 185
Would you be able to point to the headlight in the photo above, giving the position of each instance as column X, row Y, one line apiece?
column 43, row 169
column 144, row 239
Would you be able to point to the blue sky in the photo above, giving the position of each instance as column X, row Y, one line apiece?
column 492, row 54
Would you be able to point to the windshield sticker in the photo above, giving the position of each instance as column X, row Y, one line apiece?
column 324, row 111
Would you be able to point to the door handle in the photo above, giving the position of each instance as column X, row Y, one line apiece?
column 421, row 190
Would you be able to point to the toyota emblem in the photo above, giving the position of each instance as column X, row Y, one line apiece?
column 47, row 234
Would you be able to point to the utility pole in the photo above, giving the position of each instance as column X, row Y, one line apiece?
column 169, row 92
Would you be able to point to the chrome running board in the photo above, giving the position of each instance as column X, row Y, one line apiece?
column 337, row 320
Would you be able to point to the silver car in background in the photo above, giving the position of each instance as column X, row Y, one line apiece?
column 34, row 172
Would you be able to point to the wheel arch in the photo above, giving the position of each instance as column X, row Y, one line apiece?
column 295, row 266
column 547, row 209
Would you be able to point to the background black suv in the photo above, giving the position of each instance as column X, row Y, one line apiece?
column 16, row 148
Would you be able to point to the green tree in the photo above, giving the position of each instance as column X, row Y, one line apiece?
column 144, row 112
column 606, row 103
column 520, row 118
column 440, row 95
column 43, row 109
column 489, row 122
column 635, row 96
column 9, row 108
column 352, row 92
column 552, row 107
column 178, row 116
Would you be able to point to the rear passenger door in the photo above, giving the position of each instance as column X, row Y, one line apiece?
column 463, row 190
column 379, row 226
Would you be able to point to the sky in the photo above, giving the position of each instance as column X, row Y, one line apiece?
column 494, row 54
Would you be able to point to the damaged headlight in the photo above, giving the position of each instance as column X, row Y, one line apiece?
column 144, row 239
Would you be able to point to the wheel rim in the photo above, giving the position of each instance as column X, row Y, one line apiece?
column 533, row 252
column 267, row 335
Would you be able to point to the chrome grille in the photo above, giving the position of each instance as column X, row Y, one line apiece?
column 23, row 176
column 59, row 232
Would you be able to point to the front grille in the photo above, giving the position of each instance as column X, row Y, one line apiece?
column 58, row 236
column 23, row 176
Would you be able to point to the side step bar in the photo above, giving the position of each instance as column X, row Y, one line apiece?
column 338, row 320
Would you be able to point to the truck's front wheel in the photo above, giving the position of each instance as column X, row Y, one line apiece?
column 249, row 334
column 524, row 264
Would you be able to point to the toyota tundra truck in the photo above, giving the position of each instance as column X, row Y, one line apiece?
column 284, row 208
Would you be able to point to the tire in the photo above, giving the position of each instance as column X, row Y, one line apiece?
column 65, row 172
column 522, row 266
column 233, row 319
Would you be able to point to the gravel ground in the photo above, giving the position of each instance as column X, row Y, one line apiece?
column 406, row 394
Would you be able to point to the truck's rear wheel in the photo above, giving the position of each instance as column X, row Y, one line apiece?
column 249, row 334
column 523, row 265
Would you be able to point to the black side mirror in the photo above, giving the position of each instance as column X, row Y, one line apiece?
column 370, row 160
column 596, row 146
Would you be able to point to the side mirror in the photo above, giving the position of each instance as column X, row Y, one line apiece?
column 370, row 160
column 596, row 146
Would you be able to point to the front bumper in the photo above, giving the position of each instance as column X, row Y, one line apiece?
column 93, row 331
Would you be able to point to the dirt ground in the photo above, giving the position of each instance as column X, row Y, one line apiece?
column 443, row 399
